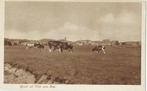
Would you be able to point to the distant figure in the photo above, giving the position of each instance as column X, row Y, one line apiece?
column 99, row 48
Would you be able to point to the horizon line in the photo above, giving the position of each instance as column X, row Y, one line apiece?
column 73, row 40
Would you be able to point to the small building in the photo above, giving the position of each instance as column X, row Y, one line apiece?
column 115, row 43
column 131, row 43
column 106, row 42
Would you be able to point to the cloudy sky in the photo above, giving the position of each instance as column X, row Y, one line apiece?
column 75, row 21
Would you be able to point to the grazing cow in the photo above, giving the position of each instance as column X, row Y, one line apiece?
column 39, row 46
column 29, row 45
column 66, row 46
column 58, row 45
column 53, row 45
column 34, row 45
column 7, row 43
column 99, row 48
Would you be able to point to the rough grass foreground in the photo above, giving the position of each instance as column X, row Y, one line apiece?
column 120, row 65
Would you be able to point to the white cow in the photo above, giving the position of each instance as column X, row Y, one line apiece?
column 99, row 48
column 29, row 45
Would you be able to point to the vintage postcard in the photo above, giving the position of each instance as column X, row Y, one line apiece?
column 65, row 44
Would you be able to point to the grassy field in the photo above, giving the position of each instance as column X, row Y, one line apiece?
column 120, row 65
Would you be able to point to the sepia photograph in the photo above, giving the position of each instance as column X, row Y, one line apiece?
column 76, row 43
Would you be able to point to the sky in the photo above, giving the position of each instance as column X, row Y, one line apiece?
column 73, row 20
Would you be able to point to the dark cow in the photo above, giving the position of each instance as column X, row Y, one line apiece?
column 58, row 45
column 6, row 42
column 38, row 45
column 99, row 48
column 66, row 46
column 53, row 45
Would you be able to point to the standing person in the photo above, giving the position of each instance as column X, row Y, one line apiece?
column 103, row 49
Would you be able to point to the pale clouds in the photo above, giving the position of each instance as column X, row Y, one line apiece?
column 121, row 26
column 15, row 34
column 76, row 21
column 108, row 18
column 71, row 31
column 125, row 18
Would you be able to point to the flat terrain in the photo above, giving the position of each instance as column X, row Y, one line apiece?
column 120, row 65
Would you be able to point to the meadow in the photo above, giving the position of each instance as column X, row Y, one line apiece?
column 120, row 65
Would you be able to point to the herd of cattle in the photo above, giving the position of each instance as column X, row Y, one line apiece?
column 60, row 46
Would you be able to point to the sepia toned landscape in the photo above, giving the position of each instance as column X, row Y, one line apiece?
column 72, row 43
column 120, row 64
